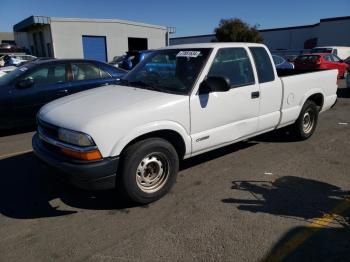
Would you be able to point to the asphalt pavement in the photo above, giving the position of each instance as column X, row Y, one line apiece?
column 266, row 199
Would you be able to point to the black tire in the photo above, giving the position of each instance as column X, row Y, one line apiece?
column 149, row 155
column 301, row 130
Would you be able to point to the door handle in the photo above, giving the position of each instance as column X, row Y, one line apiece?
column 64, row 91
column 255, row 94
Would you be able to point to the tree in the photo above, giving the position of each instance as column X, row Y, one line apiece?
column 235, row 30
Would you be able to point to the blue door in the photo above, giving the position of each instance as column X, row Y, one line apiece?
column 94, row 47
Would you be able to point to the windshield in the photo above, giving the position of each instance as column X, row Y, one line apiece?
column 12, row 75
column 173, row 70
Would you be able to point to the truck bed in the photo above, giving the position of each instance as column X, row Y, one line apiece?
column 299, row 85
column 290, row 72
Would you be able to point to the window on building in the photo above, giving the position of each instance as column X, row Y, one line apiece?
column 137, row 44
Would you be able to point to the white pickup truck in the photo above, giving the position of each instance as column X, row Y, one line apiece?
column 179, row 102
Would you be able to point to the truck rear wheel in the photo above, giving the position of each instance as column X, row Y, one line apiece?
column 148, row 170
column 306, row 123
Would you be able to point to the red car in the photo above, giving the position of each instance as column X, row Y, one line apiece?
column 321, row 61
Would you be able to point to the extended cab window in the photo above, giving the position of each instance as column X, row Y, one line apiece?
column 234, row 64
column 263, row 64
column 85, row 71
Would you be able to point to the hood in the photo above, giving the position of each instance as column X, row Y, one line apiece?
column 78, row 110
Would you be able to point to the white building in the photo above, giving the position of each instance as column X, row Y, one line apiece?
column 328, row 32
column 100, row 39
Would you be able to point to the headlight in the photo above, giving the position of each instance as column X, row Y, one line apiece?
column 74, row 138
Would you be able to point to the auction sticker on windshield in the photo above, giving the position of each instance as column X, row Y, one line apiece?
column 188, row 54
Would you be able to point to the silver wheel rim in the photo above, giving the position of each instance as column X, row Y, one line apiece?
column 308, row 122
column 152, row 172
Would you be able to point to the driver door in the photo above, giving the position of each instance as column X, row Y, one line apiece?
column 218, row 118
column 49, row 83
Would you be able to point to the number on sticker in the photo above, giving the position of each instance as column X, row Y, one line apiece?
column 188, row 54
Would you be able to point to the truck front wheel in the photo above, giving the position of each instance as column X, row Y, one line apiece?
column 148, row 170
column 306, row 123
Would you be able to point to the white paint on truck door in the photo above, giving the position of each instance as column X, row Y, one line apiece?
column 218, row 118
column 271, row 90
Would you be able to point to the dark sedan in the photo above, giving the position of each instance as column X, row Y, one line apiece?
column 27, row 88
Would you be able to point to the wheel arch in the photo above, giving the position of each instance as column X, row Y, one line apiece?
column 317, row 97
column 174, row 134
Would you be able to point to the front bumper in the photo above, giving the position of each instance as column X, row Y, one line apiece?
column 91, row 175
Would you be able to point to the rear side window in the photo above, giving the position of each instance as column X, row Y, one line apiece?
column 263, row 64
column 335, row 58
column 234, row 64
column 85, row 71
column 328, row 58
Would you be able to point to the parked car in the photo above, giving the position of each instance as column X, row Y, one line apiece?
column 7, row 69
column 5, row 46
column 24, row 90
column 15, row 60
column 291, row 58
column 204, row 96
column 2, row 73
column 341, row 51
column 281, row 63
column 117, row 60
column 321, row 61
column 131, row 59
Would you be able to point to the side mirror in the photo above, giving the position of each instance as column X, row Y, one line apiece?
column 214, row 84
column 25, row 83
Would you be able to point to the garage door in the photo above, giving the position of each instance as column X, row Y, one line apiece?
column 94, row 47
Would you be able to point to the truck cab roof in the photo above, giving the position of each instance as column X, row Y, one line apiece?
column 214, row 45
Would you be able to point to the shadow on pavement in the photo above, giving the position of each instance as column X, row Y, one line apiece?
column 277, row 136
column 27, row 187
column 188, row 163
column 304, row 199
column 325, row 244
column 17, row 130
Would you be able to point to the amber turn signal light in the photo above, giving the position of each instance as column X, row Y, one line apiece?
column 89, row 155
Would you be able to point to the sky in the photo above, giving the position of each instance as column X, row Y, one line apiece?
column 189, row 17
